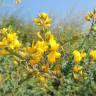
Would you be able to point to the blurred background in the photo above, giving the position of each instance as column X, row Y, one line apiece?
column 28, row 9
column 68, row 23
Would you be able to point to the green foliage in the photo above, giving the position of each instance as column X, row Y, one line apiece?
column 16, row 81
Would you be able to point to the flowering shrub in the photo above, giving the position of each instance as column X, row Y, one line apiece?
column 39, row 58
column 42, row 68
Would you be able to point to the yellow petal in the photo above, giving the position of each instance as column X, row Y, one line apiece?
column 52, row 56
column 18, row 2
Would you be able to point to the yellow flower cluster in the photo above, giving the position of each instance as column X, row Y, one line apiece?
column 18, row 2
column 43, row 20
column 41, row 47
column 93, row 54
column 37, row 50
column 77, row 69
column 10, row 41
column 91, row 17
column 78, row 56
column 53, row 49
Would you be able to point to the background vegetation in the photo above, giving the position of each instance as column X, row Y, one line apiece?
column 69, row 33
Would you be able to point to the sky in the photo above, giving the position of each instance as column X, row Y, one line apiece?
column 31, row 8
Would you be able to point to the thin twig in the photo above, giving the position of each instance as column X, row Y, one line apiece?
column 87, row 36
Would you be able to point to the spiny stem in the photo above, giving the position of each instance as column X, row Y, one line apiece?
column 14, row 53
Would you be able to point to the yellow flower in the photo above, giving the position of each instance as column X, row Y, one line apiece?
column 38, row 22
column 77, row 56
column 83, row 54
column 48, row 25
column 18, row 1
column 48, row 22
column 93, row 54
column 52, row 56
column 11, row 36
column 16, row 44
column 15, row 62
column 77, row 68
column 87, row 18
column 43, row 15
column 90, row 14
column 28, row 50
column 36, row 57
column 33, row 62
column 42, row 79
column 43, row 20
column 41, row 46
column 54, row 46
column 10, row 41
